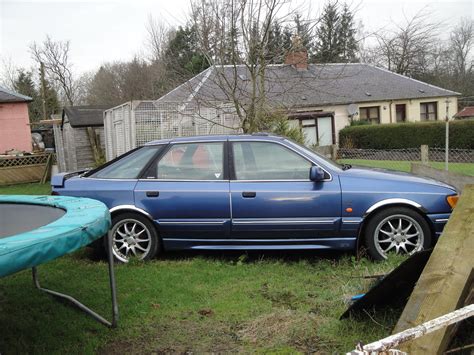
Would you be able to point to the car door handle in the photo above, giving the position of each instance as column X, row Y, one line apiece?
column 249, row 194
column 152, row 193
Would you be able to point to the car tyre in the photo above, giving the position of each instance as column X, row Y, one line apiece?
column 396, row 229
column 134, row 236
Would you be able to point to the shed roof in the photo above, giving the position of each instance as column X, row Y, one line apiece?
column 84, row 116
column 467, row 111
column 7, row 96
column 321, row 84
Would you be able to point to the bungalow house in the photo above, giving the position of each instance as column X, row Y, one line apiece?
column 320, row 98
column 466, row 113
column 15, row 133
column 79, row 138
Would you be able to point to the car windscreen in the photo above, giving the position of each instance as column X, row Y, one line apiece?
column 130, row 165
column 330, row 163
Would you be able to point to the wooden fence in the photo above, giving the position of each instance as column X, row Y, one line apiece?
column 25, row 169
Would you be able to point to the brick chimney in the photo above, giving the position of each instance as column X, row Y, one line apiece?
column 297, row 56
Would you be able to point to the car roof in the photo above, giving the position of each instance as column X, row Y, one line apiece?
column 254, row 136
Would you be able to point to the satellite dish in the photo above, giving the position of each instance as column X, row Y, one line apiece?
column 352, row 109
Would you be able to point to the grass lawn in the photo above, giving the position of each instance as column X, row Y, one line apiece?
column 26, row 189
column 461, row 168
column 196, row 302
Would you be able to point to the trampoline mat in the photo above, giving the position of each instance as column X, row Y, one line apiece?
column 16, row 218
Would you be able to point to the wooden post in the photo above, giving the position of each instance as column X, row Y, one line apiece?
column 446, row 280
column 47, row 169
column 95, row 146
column 424, row 154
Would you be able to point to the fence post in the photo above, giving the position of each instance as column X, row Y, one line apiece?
column 424, row 154
column 446, row 149
column 334, row 150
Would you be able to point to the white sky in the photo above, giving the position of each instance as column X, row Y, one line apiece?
column 108, row 30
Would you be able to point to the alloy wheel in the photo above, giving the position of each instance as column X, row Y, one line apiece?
column 131, row 238
column 400, row 234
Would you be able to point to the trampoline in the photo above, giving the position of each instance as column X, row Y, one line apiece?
column 37, row 229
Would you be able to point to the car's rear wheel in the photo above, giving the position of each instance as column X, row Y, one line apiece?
column 397, row 230
column 134, row 236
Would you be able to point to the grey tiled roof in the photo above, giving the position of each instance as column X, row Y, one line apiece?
column 321, row 84
column 84, row 116
column 7, row 95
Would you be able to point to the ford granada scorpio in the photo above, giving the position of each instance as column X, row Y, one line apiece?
column 258, row 192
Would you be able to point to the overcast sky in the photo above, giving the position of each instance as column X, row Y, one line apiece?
column 108, row 30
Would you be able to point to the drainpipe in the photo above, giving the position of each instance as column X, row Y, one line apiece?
column 390, row 108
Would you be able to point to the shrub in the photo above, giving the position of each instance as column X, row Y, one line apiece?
column 408, row 135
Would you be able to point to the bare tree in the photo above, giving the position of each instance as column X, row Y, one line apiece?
column 157, row 39
column 9, row 73
column 235, row 35
column 405, row 49
column 55, row 57
column 461, row 46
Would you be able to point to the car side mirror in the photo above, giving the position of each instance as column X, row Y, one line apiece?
column 316, row 174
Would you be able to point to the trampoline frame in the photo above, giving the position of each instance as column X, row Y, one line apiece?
column 74, row 302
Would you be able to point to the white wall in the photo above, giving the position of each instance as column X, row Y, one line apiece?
column 387, row 111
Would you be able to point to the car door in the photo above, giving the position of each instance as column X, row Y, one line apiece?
column 272, row 196
column 187, row 192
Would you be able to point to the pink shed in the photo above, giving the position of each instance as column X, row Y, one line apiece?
column 15, row 131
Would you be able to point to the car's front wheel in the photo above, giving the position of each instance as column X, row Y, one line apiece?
column 397, row 230
column 134, row 236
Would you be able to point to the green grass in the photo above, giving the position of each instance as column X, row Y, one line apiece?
column 26, row 189
column 200, row 302
column 461, row 168
column 194, row 302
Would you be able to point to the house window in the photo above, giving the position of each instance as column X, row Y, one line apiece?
column 428, row 111
column 371, row 114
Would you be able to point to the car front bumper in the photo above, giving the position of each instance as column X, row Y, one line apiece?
column 438, row 222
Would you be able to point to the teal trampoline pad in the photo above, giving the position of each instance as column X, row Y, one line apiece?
column 37, row 229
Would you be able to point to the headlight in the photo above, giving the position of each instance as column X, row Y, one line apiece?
column 452, row 200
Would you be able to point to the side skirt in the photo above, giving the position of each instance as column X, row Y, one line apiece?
column 346, row 243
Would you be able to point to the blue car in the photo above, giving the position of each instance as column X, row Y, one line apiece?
column 258, row 192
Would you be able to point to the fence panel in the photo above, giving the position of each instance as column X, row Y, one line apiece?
column 460, row 160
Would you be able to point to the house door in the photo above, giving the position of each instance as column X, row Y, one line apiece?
column 317, row 131
column 324, row 131
column 401, row 111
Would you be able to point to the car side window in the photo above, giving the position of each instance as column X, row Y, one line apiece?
column 192, row 161
column 268, row 161
column 130, row 166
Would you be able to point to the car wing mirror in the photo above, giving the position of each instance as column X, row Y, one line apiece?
column 316, row 174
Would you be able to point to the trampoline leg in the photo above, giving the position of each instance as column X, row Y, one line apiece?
column 79, row 305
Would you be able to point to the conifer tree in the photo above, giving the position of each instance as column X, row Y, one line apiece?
column 335, row 36
column 347, row 42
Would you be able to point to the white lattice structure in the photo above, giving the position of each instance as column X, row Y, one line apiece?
column 135, row 123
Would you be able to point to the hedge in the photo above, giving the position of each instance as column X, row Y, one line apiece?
column 408, row 135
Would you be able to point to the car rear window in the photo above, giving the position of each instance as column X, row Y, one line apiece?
column 130, row 166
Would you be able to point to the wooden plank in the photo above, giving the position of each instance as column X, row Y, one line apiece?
column 388, row 343
column 446, row 280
